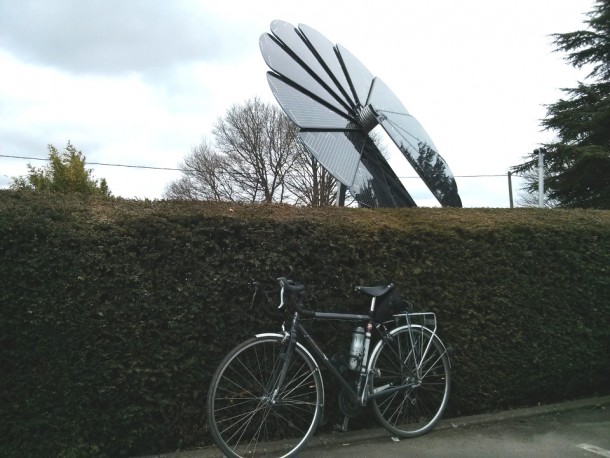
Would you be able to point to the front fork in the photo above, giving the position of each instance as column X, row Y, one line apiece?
column 288, row 343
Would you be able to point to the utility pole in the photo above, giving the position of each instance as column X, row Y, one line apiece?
column 540, row 152
column 510, row 188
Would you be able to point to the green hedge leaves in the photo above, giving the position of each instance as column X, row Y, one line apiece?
column 115, row 313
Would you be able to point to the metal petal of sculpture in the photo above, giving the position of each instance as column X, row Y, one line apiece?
column 336, row 101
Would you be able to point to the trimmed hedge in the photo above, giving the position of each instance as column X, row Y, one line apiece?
column 115, row 313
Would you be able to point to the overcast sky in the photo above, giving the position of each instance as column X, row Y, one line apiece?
column 141, row 82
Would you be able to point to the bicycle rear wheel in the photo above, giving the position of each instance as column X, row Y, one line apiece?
column 244, row 416
column 422, row 362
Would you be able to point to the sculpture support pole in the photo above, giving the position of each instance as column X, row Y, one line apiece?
column 341, row 195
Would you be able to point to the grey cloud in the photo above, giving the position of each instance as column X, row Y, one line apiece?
column 115, row 36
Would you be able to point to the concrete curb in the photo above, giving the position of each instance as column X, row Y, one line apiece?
column 353, row 437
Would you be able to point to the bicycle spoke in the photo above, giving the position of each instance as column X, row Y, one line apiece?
column 247, row 407
column 416, row 359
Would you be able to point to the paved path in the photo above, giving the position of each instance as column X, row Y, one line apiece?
column 583, row 432
column 570, row 429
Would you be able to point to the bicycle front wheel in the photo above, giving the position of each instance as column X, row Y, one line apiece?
column 250, row 414
column 411, row 356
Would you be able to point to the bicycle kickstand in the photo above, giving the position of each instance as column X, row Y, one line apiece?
column 343, row 427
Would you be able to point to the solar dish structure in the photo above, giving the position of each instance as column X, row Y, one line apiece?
column 336, row 102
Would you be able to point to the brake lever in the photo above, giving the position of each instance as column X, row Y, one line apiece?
column 257, row 286
column 281, row 297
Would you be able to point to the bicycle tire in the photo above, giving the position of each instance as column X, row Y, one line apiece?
column 241, row 416
column 413, row 411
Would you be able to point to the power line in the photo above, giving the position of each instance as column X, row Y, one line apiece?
column 98, row 163
column 180, row 170
column 470, row 176
column 135, row 166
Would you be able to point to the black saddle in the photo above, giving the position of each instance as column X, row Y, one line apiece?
column 375, row 291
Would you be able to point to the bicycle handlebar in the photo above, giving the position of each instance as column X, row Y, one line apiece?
column 297, row 290
column 291, row 286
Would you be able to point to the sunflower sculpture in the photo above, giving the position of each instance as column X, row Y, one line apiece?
column 336, row 102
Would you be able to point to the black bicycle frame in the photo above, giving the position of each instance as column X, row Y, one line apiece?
column 357, row 396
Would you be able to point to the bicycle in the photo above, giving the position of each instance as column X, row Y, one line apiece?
column 269, row 389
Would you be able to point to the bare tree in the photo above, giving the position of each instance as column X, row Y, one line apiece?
column 258, row 142
column 528, row 196
column 310, row 183
column 205, row 176
column 256, row 157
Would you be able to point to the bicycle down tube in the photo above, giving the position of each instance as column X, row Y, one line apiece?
column 361, row 396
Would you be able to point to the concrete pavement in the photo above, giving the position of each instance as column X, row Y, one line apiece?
column 578, row 428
